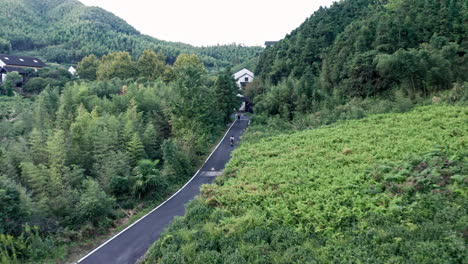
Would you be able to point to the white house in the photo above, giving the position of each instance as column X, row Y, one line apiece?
column 72, row 70
column 243, row 77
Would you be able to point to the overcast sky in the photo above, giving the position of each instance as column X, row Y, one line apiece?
column 211, row 22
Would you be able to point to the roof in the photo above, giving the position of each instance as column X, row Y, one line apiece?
column 244, row 75
column 13, row 69
column 243, row 72
column 270, row 43
column 23, row 61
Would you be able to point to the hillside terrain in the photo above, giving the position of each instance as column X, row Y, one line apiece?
column 83, row 158
column 65, row 31
column 386, row 186
column 362, row 48
column 356, row 151
column 390, row 188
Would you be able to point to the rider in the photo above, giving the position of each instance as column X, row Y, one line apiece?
column 231, row 139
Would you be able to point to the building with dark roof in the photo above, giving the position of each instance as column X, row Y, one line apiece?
column 20, row 64
column 21, row 61
column 270, row 43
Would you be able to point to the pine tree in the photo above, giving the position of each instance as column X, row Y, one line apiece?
column 135, row 149
column 38, row 147
column 36, row 178
column 152, row 142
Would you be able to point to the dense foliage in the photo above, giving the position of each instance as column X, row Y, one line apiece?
column 65, row 31
column 362, row 48
column 75, row 160
column 386, row 189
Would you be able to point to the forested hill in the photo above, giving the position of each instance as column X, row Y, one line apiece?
column 302, row 48
column 344, row 44
column 65, row 31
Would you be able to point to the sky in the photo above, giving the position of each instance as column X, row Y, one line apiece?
column 211, row 22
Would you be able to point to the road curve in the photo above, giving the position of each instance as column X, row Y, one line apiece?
column 132, row 243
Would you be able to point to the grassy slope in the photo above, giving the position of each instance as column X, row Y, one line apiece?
column 350, row 192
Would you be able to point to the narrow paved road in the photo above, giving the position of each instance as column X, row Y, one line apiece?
column 132, row 243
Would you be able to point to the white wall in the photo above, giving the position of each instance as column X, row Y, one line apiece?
column 72, row 70
column 4, row 76
column 242, row 72
column 243, row 79
column 2, row 63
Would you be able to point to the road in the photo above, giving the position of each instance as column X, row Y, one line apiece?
column 132, row 243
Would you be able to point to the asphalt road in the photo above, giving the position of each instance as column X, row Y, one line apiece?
column 132, row 243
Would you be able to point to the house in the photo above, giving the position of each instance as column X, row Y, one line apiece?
column 270, row 43
column 72, row 70
column 243, row 77
column 20, row 64
column 7, row 69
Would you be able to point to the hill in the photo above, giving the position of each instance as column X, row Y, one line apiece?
column 364, row 48
column 390, row 188
column 65, row 31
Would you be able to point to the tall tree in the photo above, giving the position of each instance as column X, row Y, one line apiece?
column 116, row 65
column 136, row 150
column 88, row 66
column 226, row 91
column 192, row 115
column 151, row 65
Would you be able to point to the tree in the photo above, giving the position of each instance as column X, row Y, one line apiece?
column 192, row 117
column 15, row 208
column 136, row 150
column 5, row 46
column 152, row 142
column 151, row 65
column 189, row 65
column 176, row 162
column 226, row 91
column 38, row 146
column 36, row 85
column 116, row 65
column 12, row 81
column 94, row 205
column 88, row 66
column 148, row 179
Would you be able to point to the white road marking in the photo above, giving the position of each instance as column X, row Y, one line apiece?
column 211, row 173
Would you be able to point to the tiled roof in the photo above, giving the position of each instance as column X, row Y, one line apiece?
column 24, row 61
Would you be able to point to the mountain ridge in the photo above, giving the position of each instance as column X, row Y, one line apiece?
column 65, row 31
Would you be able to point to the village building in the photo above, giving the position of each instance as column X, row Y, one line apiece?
column 72, row 70
column 243, row 77
column 270, row 43
column 20, row 64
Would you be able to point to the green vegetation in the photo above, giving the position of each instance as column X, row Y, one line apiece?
column 363, row 48
column 79, row 157
column 389, row 188
column 381, row 177
column 65, row 31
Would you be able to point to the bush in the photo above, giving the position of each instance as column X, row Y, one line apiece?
column 94, row 206
column 15, row 207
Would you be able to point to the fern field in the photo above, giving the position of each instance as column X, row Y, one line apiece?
column 390, row 188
